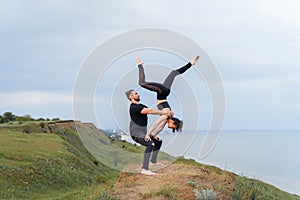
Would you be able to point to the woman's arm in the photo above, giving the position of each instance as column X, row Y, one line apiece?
column 159, row 128
column 159, row 125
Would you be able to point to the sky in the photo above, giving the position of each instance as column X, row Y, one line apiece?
column 254, row 44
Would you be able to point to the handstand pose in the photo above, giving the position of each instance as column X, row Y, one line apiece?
column 163, row 91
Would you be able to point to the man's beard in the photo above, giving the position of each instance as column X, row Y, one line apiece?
column 137, row 99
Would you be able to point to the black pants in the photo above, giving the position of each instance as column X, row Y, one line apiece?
column 149, row 148
column 162, row 90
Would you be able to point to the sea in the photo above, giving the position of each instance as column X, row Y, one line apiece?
column 270, row 156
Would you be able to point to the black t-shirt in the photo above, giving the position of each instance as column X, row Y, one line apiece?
column 138, row 123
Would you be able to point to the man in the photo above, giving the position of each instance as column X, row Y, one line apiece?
column 138, row 129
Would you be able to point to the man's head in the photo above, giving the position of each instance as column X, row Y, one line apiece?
column 132, row 95
column 175, row 124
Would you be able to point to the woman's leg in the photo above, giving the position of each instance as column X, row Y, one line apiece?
column 170, row 78
column 156, row 149
column 152, row 86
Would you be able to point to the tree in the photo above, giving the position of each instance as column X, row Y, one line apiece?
column 24, row 118
column 8, row 116
column 1, row 119
column 27, row 116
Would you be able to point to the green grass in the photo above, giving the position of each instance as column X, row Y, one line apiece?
column 194, row 163
column 42, row 165
column 52, row 163
column 166, row 192
column 246, row 188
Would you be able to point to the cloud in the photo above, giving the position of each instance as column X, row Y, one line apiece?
column 34, row 98
column 282, row 11
column 279, row 92
column 263, row 102
column 255, row 45
column 38, row 104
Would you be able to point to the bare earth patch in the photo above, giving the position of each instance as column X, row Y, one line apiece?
column 172, row 182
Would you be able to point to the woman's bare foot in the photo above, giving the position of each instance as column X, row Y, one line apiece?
column 193, row 62
column 138, row 61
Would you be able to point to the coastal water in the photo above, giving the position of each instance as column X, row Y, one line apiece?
column 270, row 156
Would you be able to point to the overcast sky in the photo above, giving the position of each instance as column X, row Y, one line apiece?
column 254, row 43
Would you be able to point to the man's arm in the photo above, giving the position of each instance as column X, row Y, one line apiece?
column 154, row 111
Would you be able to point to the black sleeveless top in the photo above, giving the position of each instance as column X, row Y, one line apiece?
column 163, row 105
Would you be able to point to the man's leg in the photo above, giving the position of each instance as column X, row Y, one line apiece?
column 149, row 148
column 156, row 149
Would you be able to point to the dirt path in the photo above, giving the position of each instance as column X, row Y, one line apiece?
column 172, row 182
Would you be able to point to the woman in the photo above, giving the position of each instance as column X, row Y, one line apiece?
column 163, row 91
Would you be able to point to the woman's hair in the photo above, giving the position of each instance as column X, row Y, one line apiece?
column 178, row 124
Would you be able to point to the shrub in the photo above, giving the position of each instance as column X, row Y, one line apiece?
column 192, row 183
column 42, row 125
column 207, row 194
column 167, row 192
column 105, row 195
column 26, row 130
column 248, row 189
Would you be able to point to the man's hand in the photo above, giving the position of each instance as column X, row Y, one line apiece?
column 147, row 138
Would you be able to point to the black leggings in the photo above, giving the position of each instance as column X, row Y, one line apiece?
column 150, row 148
column 162, row 90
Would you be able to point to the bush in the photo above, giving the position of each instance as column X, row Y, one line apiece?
column 248, row 189
column 24, row 118
column 192, row 183
column 105, row 195
column 27, row 130
column 207, row 194
column 42, row 125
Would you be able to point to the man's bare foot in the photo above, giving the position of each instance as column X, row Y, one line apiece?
column 138, row 61
column 193, row 62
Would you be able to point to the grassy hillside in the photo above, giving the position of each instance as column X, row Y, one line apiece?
column 187, row 179
column 238, row 187
column 46, row 160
